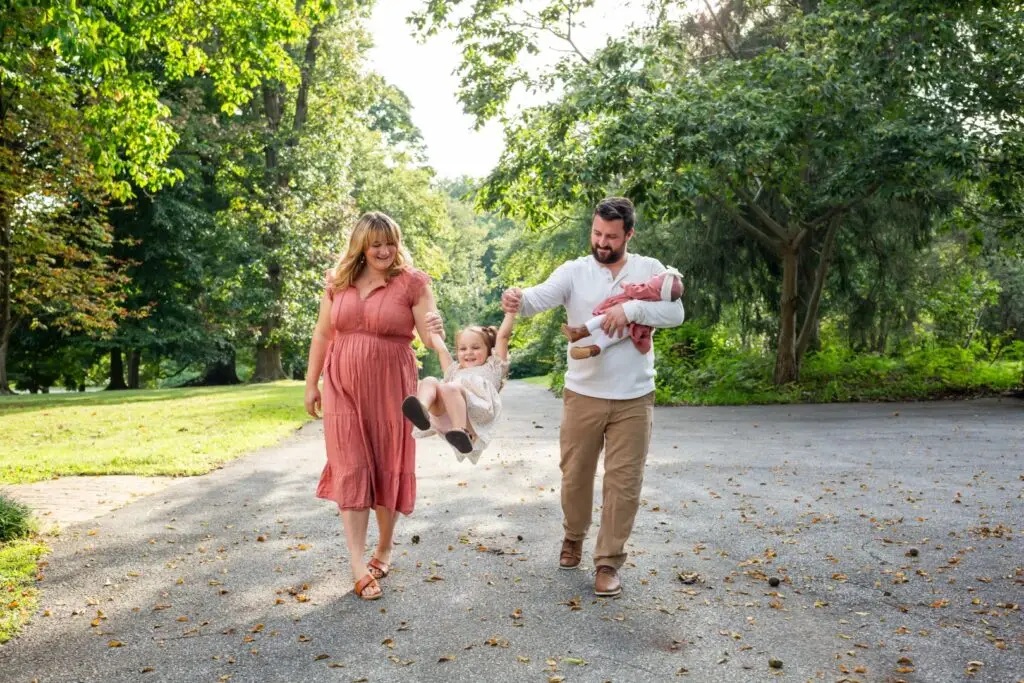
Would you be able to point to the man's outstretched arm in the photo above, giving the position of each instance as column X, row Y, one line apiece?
column 547, row 295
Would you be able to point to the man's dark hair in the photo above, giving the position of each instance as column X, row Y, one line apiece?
column 617, row 209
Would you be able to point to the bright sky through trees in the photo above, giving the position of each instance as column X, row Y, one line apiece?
column 425, row 73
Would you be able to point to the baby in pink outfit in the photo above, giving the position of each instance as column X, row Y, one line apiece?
column 667, row 286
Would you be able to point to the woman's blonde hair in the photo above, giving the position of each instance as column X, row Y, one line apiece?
column 370, row 227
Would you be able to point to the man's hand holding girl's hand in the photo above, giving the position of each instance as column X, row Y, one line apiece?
column 512, row 300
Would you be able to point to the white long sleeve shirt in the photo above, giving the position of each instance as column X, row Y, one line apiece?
column 620, row 371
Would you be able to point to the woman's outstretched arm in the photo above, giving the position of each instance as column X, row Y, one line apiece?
column 430, row 327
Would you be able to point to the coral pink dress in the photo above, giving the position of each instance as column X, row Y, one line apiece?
column 370, row 367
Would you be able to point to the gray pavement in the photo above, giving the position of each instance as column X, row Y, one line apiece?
column 896, row 531
column 58, row 503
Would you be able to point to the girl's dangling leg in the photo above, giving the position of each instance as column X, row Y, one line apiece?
column 455, row 405
column 415, row 407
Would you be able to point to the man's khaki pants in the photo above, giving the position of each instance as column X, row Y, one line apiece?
column 623, row 429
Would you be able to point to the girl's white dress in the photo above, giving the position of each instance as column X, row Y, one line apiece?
column 481, row 384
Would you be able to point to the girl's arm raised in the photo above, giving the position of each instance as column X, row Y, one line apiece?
column 442, row 352
column 504, row 335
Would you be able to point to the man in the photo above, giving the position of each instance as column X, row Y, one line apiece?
column 609, row 398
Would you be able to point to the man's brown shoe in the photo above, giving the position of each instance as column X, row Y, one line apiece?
column 572, row 553
column 606, row 583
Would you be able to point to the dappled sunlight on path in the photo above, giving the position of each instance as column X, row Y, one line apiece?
column 240, row 575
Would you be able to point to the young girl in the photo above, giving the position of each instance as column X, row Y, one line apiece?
column 464, row 405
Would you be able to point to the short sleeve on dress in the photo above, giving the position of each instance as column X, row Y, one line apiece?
column 498, row 368
column 415, row 281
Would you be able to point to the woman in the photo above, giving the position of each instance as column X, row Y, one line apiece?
column 362, row 344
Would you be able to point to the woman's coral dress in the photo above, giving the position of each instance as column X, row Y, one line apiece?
column 370, row 367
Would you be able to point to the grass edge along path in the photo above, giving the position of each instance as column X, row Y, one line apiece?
column 169, row 432
column 19, row 571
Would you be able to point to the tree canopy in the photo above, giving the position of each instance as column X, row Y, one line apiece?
column 764, row 127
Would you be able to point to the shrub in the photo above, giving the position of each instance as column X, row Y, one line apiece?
column 15, row 520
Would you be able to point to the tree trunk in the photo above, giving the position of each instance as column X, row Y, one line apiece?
column 268, row 364
column 809, row 330
column 268, row 353
column 222, row 371
column 302, row 97
column 116, row 371
column 134, row 360
column 6, row 273
column 787, row 366
column 5, row 387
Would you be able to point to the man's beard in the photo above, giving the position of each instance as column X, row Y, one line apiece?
column 606, row 257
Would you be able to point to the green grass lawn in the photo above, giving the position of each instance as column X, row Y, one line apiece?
column 18, row 594
column 155, row 432
column 540, row 380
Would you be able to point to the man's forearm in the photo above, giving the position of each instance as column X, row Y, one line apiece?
column 655, row 313
column 547, row 295
column 534, row 302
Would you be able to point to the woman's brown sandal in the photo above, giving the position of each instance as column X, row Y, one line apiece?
column 378, row 569
column 367, row 582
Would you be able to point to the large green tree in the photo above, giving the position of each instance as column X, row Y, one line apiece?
column 774, row 120
column 306, row 159
column 80, row 105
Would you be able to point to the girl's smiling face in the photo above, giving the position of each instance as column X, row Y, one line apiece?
column 471, row 349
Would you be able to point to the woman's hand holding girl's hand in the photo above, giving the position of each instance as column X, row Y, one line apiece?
column 435, row 324
column 313, row 406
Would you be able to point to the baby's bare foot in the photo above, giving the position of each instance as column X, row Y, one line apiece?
column 574, row 334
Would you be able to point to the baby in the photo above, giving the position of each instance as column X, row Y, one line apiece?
column 464, row 405
column 667, row 286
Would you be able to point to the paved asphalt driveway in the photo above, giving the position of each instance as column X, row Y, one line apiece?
column 895, row 530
